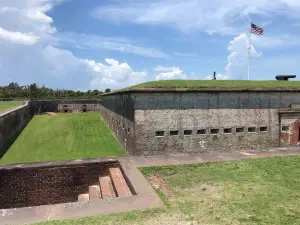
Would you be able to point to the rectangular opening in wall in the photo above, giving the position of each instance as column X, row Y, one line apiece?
column 159, row 133
column 240, row 129
column 263, row 129
column 201, row 131
column 251, row 129
column 173, row 132
column 187, row 132
column 214, row 131
column 227, row 130
column 285, row 128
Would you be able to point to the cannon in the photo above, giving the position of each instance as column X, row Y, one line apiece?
column 285, row 77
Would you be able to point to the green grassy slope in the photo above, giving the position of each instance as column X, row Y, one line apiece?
column 219, row 84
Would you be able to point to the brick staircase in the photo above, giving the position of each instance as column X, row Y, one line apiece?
column 112, row 184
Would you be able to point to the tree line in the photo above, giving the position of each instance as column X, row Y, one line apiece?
column 14, row 90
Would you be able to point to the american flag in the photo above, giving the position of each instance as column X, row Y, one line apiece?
column 256, row 29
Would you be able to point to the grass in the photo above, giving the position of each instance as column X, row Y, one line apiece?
column 255, row 191
column 219, row 84
column 63, row 137
column 4, row 105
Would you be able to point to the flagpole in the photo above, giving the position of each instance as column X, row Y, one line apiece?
column 249, row 54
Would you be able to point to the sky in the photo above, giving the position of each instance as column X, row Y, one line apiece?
column 87, row 45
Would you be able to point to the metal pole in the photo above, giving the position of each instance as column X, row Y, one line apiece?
column 249, row 54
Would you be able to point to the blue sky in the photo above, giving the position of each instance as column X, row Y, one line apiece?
column 95, row 44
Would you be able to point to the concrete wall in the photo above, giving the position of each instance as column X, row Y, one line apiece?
column 74, row 105
column 117, row 111
column 12, row 122
column 241, row 120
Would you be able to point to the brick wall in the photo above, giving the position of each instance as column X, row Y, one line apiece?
column 12, row 122
column 40, row 106
column 24, row 187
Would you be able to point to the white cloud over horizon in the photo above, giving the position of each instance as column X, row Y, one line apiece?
column 28, row 53
column 34, row 50
column 171, row 73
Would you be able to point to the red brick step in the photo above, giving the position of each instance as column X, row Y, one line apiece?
column 106, row 187
column 83, row 197
column 94, row 191
column 119, row 182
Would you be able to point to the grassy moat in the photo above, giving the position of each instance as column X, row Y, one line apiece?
column 63, row 137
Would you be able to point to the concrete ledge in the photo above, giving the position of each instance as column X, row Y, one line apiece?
column 62, row 163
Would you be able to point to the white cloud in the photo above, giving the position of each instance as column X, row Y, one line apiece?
column 115, row 74
column 29, row 53
column 120, row 44
column 171, row 73
column 214, row 16
column 18, row 37
column 186, row 55
column 238, row 57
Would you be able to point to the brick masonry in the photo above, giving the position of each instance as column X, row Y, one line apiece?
column 12, row 122
column 39, row 185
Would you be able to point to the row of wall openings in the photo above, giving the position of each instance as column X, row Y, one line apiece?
column 214, row 131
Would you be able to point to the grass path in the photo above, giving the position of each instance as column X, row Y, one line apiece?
column 4, row 105
column 248, row 192
column 62, row 137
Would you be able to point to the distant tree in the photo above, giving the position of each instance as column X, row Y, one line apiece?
column 14, row 90
column 107, row 90
column 33, row 90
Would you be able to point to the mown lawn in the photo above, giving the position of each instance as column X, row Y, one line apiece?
column 4, row 105
column 62, row 137
column 219, row 84
column 254, row 191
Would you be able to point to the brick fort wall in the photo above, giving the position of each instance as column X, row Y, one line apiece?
column 25, row 187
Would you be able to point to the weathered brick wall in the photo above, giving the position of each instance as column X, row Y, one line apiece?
column 218, row 111
column 40, row 106
column 117, row 111
column 12, row 122
column 290, row 128
column 24, row 187
column 243, row 119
